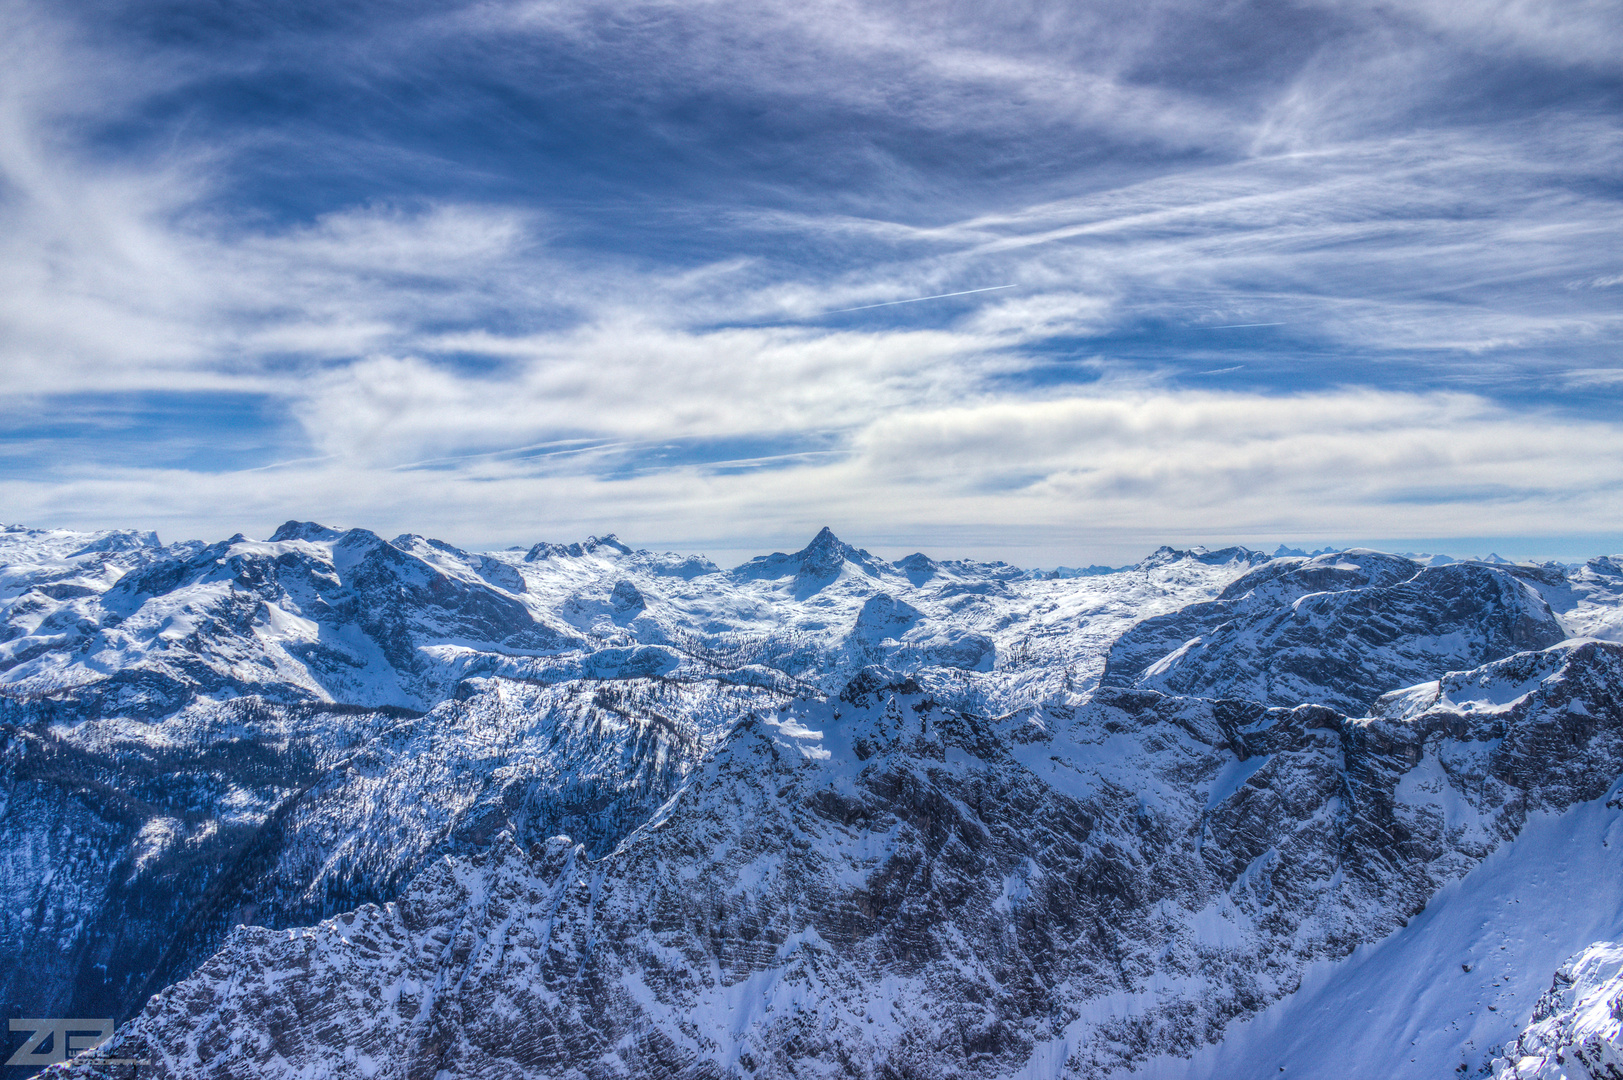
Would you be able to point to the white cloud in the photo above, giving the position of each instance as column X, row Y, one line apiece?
column 1357, row 458
column 112, row 277
column 953, row 67
column 1575, row 32
column 624, row 379
column 458, row 332
column 1097, row 476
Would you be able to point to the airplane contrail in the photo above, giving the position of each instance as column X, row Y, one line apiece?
column 916, row 299
column 1241, row 325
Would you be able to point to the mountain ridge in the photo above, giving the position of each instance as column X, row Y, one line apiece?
column 862, row 758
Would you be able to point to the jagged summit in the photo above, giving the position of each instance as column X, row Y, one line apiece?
column 827, row 552
column 813, row 566
column 1330, row 629
column 608, row 545
column 1166, row 554
column 825, row 540
column 122, row 540
column 1284, row 552
column 304, row 530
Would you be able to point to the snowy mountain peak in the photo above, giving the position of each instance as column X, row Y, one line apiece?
column 121, row 540
column 826, row 553
column 918, row 567
column 814, row 566
column 304, row 530
column 885, row 616
column 609, row 545
column 1282, row 552
column 545, row 550
column 1166, row 555
column 1332, row 628
column 1606, row 566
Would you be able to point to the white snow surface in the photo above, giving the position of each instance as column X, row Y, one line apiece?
column 1228, row 770
column 279, row 617
column 1458, row 984
column 1577, row 1027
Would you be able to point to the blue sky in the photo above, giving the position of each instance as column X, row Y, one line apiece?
column 502, row 271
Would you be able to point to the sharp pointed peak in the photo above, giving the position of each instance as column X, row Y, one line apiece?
column 818, row 560
column 826, row 542
column 825, row 538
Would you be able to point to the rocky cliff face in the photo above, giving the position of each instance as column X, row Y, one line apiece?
column 274, row 731
column 808, row 842
column 132, row 849
column 884, row 886
column 1576, row 1031
column 1338, row 629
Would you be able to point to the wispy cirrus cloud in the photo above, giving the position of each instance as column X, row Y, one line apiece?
column 627, row 266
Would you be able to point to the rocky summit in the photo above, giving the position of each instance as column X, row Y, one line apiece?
column 329, row 805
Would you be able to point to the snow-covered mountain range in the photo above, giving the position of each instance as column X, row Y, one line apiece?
column 330, row 805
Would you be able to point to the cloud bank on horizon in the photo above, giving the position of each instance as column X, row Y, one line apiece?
column 513, row 269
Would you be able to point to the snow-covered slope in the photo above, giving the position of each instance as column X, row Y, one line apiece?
column 198, row 735
column 1577, row 1026
column 311, row 614
column 315, row 614
column 1448, row 994
column 589, row 811
column 1338, row 629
